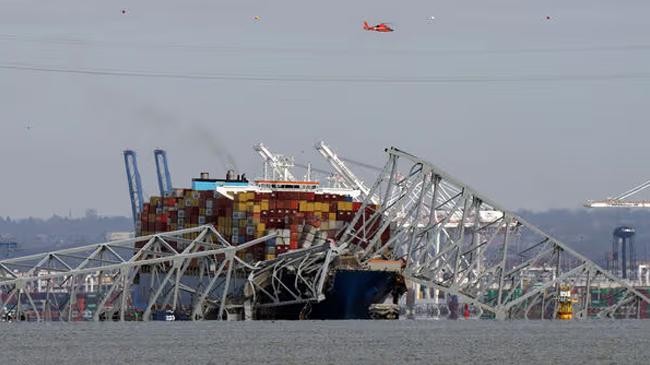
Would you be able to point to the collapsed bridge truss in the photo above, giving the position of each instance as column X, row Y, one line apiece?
column 199, row 277
column 467, row 246
column 451, row 237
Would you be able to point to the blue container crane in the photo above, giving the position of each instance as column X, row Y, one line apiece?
column 162, row 169
column 135, row 184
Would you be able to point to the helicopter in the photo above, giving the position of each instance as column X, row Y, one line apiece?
column 381, row 27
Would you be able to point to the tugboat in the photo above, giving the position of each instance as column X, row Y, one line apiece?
column 565, row 301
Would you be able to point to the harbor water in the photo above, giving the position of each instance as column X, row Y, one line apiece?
column 328, row 342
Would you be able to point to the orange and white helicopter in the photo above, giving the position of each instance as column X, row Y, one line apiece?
column 381, row 27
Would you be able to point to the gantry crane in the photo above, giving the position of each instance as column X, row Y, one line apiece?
column 619, row 200
column 349, row 178
column 162, row 170
column 280, row 164
column 135, row 184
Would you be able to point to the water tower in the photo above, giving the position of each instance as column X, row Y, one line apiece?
column 623, row 242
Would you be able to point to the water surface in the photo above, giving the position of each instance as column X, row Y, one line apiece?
column 328, row 342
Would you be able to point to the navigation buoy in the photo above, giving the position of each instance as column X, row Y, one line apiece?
column 123, row 11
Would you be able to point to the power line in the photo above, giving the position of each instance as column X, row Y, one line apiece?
column 329, row 79
column 80, row 42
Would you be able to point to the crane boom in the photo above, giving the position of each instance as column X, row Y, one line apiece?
column 134, row 182
column 280, row 164
column 633, row 191
column 162, row 170
column 619, row 200
column 348, row 176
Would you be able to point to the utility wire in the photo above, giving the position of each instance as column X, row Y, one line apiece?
column 329, row 79
column 79, row 42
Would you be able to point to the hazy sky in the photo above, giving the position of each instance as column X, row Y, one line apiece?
column 537, row 113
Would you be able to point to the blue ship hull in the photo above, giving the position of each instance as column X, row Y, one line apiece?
column 349, row 297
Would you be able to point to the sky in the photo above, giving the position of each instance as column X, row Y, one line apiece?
column 537, row 104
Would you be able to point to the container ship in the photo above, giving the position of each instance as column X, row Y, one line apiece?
column 301, row 214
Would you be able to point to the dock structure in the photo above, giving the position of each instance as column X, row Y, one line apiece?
column 450, row 238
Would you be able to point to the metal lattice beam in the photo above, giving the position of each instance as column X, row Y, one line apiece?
column 194, row 271
column 490, row 257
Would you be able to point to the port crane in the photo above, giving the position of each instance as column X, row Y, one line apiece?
column 162, row 170
column 343, row 171
column 619, row 201
column 280, row 164
column 134, row 182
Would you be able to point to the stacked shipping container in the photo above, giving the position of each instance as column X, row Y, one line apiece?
column 300, row 219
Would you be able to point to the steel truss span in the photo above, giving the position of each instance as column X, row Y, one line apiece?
column 199, row 277
column 452, row 238
column 456, row 240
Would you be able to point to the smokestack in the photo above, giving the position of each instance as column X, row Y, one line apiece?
column 230, row 175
